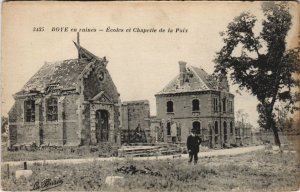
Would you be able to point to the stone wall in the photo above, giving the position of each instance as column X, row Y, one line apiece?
column 71, row 128
column 43, row 132
column 23, row 132
column 134, row 114
column 98, row 94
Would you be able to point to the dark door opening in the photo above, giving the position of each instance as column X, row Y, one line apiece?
column 210, row 137
column 102, row 130
column 41, row 136
column 216, row 133
column 197, row 126
column 225, row 131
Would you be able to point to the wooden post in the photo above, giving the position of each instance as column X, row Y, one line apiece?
column 78, row 42
column 7, row 170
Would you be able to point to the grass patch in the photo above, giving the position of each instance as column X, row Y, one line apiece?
column 253, row 171
column 52, row 153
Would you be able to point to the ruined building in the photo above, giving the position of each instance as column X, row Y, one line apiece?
column 75, row 102
column 71, row 102
column 194, row 99
column 135, row 122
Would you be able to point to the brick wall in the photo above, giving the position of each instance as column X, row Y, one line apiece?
column 184, row 116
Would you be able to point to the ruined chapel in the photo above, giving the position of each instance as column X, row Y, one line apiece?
column 71, row 102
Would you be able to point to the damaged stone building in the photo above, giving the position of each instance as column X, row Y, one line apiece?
column 75, row 102
column 195, row 99
column 72, row 102
column 135, row 121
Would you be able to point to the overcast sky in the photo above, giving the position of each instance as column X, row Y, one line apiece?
column 140, row 64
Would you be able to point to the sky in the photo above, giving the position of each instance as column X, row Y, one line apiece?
column 140, row 64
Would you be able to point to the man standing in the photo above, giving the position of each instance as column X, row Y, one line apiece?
column 193, row 142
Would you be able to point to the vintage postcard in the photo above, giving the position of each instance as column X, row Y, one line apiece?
column 150, row 96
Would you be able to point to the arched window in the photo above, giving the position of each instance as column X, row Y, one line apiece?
column 216, row 128
column 170, row 107
column 197, row 126
column 168, row 128
column 52, row 113
column 29, row 109
column 196, row 105
column 231, row 127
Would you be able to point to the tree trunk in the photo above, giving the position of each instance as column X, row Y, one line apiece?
column 276, row 136
column 272, row 123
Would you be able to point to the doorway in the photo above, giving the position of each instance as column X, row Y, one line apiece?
column 197, row 127
column 225, row 131
column 102, row 130
column 216, row 133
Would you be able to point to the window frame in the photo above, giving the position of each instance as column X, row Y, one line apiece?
column 30, row 110
column 230, row 103
column 195, row 105
column 224, row 105
column 52, row 105
column 215, row 104
column 170, row 107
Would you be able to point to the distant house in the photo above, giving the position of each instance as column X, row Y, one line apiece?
column 194, row 99
column 71, row 102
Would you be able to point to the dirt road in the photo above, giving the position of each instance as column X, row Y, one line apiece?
column 221, row 152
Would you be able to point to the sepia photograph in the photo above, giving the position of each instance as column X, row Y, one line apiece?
column 150, row 96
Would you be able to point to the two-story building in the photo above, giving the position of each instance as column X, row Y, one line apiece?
column 195, row 99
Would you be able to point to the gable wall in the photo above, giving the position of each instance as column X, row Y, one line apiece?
column 90, row 87
column 93, row 86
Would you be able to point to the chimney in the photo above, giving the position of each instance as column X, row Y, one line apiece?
column 182, row 70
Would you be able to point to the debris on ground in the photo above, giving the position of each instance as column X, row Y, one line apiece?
column 131, row 170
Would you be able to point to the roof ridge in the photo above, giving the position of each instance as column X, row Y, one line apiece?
column 59, row 61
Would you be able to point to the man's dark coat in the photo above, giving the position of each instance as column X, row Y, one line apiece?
column 193, row 143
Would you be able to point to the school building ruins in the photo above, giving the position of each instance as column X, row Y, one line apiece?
column 75, row 102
